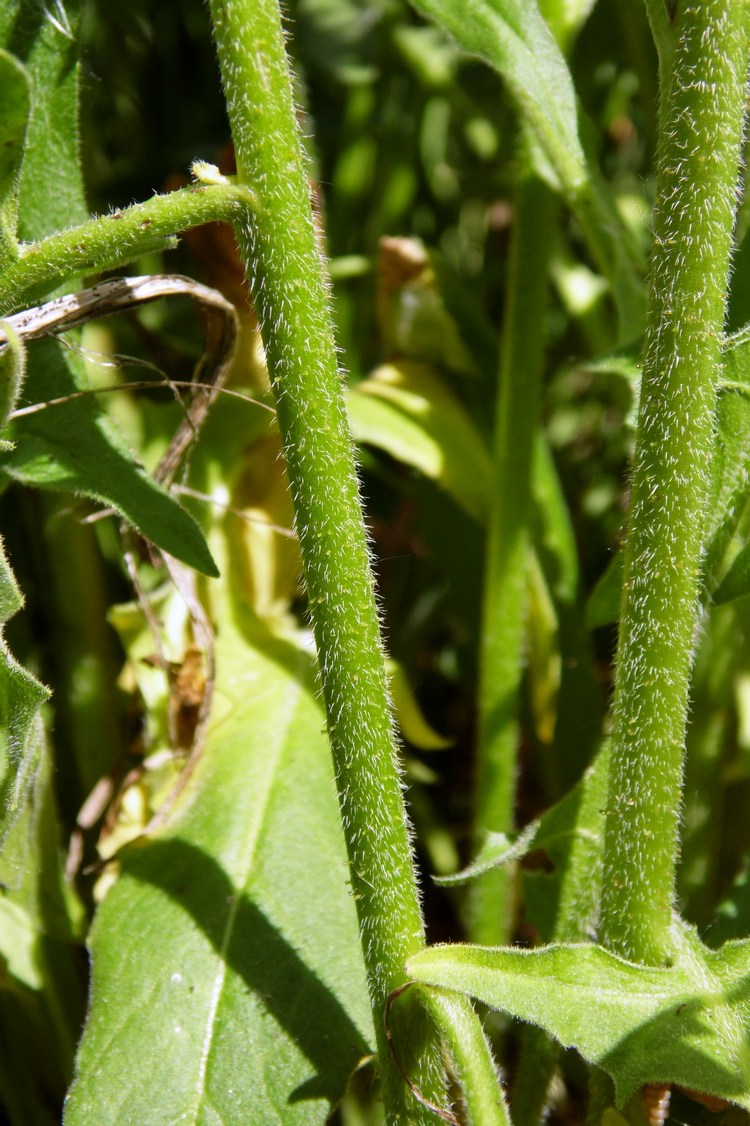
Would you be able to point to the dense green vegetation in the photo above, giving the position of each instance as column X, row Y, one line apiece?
column 232, row 888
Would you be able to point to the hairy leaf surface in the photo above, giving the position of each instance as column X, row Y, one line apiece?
column 686, row 1023
column 230, row 939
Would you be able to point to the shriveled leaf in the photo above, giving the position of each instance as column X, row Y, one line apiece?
column 512, row 37
column 74, row 447
column 685, row 1024
column 407, row 411
column 413, row 320
column 226, row 965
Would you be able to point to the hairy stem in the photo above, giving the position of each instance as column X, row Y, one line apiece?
column 115, row 239
column 701, row 117
column 280, row 246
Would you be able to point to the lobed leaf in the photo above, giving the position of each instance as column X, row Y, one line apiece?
column 686, row 1023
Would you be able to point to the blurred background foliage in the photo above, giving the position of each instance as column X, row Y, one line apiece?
column 413, row 144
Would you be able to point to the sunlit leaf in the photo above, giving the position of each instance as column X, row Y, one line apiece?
column 407, row 411
column 685, row 1024
column 566, row 17
column 244, row 965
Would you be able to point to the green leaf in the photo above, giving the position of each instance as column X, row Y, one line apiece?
column 566, row 17
column 12, row 375
column 563, row 905
column 44, row 37
column 29, row 861
column 411, row 721
column 21, row 696
column 730, row 470
column 603, row 606
column 243, row 967
column 554, row 538
column 407, row 411
column 684, row 1024
column 736, row 582
column 571, row 833
column 512, row 37
column 41, row 985
column 73, row 446
column 41, row 996
column 738, row 312
column 15, row 98
column 733, row 917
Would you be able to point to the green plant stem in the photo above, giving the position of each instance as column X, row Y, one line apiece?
column 701, row 116
column 503, row 618
column 280, row 246
column 471, row 1058
column 115, row 239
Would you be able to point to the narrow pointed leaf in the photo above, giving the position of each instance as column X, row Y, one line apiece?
column 75, row 447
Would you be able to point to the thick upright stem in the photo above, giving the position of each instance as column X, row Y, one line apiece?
column 701, row 118
column 503, row 617
column 280, row 246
